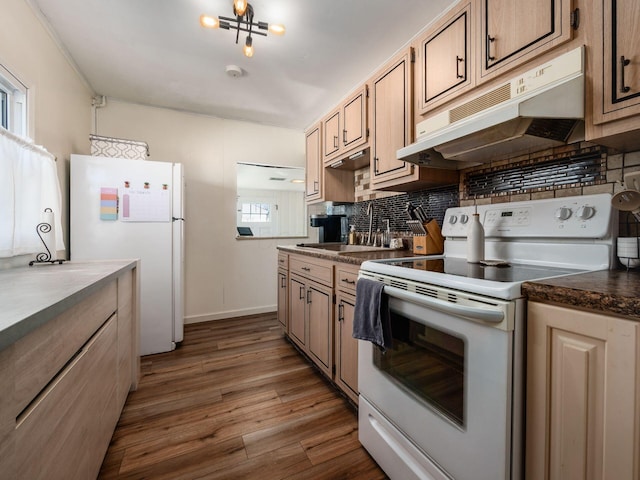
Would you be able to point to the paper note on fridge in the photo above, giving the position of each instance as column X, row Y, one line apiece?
column 108, row 203
column 146, row 205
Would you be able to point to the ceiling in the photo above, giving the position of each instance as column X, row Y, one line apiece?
column 269, row 177
column 154, row 52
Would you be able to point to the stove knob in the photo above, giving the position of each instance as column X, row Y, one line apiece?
column 585, row 212
column 563, row 213
column 464, row 218
column 453, row 219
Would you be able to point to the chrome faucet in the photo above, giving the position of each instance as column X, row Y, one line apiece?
column 370, row 213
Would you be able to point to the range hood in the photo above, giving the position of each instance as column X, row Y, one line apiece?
column 541, row 108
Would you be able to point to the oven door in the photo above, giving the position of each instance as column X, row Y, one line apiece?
column 445, row 386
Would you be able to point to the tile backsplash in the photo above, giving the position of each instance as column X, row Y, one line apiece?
column 434, row 203
column 578, row 169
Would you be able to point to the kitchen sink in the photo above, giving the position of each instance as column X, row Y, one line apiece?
column 341, row 248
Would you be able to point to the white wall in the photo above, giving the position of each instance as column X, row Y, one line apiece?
column 224, row 277
column 59, row 101
column 289, row 217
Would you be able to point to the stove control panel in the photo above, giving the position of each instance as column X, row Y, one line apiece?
column 587, row 216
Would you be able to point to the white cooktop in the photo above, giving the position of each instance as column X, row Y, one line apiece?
column 537, row 239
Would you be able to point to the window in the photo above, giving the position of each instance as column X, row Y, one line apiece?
column 256, row 212
column 4, row 120
column 13, row 103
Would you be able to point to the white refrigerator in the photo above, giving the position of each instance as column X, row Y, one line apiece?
column 123, row 209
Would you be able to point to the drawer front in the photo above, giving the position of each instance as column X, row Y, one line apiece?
column 346, row 279
column 68, row 416
column 315, row 270
column 45, row 351
column 283, row 260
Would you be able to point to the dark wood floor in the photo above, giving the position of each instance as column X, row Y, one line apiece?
column 236, row 401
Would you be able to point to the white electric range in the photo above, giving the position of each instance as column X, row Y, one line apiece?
column 447, row 400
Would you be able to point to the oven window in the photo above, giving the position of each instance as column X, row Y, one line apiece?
column 429, row 362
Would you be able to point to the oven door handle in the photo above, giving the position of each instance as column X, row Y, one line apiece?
column 472, row 313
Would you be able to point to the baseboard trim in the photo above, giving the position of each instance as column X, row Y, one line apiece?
column 229, row 314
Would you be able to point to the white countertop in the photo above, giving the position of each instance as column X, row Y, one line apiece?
column 31, row 296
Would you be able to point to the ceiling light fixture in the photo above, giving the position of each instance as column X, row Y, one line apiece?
column 242, row 22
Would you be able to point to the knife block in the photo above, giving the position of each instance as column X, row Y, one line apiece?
column 430, row 244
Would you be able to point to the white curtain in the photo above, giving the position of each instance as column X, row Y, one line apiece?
column 28, row 185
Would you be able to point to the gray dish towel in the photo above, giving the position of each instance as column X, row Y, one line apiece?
column 372, row 320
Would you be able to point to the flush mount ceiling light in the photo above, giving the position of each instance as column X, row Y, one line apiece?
column 242, row 22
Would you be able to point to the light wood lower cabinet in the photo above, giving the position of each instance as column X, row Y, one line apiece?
column 321, row 307
column 283, row 299
column 60, row 434
column 297, row 314
column 583, row 392
column 320, row 320
column 64, row 385
column 346, row 347
column 311, row 327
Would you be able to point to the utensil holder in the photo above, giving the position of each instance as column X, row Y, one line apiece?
column 431, row 243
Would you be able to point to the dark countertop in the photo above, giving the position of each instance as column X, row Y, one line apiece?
column 32, row 296
column 353, row 258
column 613, row 292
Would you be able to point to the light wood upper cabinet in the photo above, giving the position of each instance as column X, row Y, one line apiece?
column 346, row 128
column 582, row 395
column 313, row 163
column 622, row 52
column 392, row 117
column 392, row 129
column 445, row 58
column 354, row 113
column 331, row 134
column 324, row 184
column 616, row 60
column 515, row 31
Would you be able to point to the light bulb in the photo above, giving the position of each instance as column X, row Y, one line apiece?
column 240, row 7
column 276, row 29
column 208, row 22
column 248, row 48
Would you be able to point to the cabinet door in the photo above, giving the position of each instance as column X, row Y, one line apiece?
column 445, row 60
column 331, row 133
column 65, row 432
column 283, row 298
column 622, row 55
column 354, row 114
column 346, row 347
column 313, row 164
column 514, row 31
column 319, row 313
column 582, row 392
column 392, row 118
column 297, row 303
